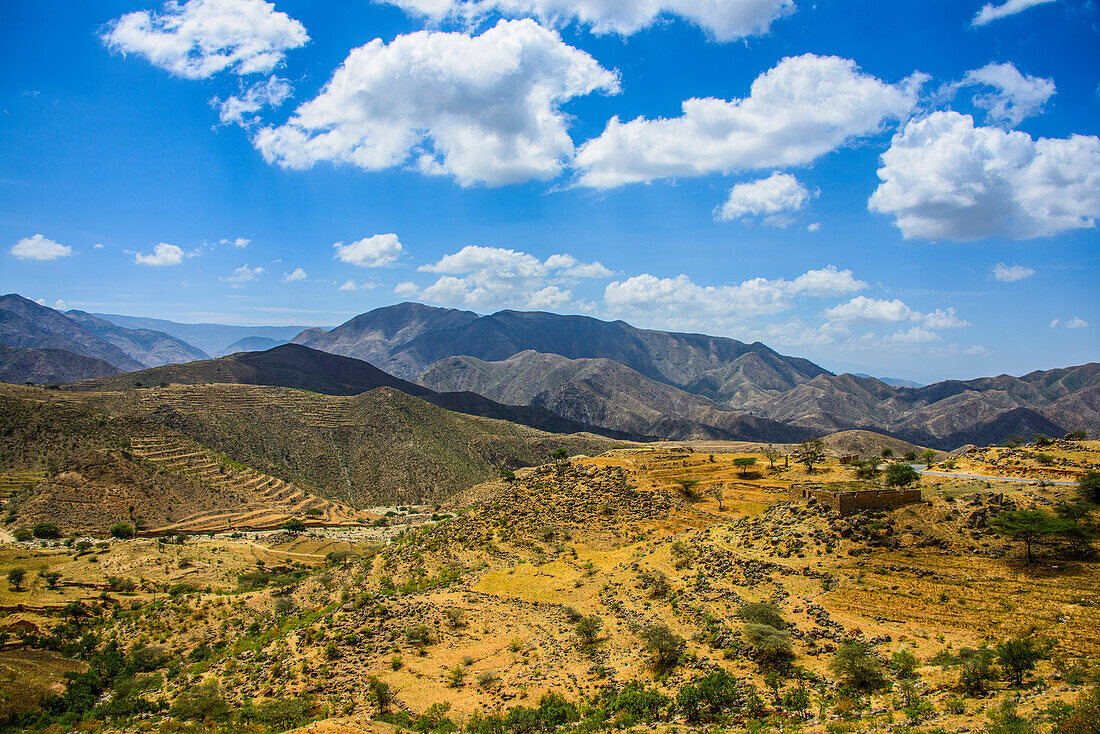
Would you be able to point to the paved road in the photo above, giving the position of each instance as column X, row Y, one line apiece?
column 992, row 479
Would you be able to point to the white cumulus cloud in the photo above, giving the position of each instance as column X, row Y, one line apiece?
column 244, row 274
column 1010, row 96
column 483, row 109
column 804, row 107
column 680, row 303
column 37, row 247
column 253, row 98
column 1011, row 273
column 406, row 289
column 162, row 254
column 370, row 252
column 944, row 178
column 200, row 38
column 240, row 242
column 864, row 309
column 725, row 20
column 770, row 197
column 1076, row 322
column 497, row 277
column 295, row 275
column 991, row 12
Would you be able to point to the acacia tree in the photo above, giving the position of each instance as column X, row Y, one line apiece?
column 811, row 452
column 1026, row 526
column 772, row 455
column 744, row 463
column 927, row 455
column 1089, row 487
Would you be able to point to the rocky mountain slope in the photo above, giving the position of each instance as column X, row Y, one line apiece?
column 28, row 325
column 405, row 339
column 151, row 348
column 604, row 393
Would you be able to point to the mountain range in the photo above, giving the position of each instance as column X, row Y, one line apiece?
column 554, row 372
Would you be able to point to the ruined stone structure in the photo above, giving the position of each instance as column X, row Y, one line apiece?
column 848, row 502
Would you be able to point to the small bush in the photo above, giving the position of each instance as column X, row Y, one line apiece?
column 123, row 531
column 46, row 531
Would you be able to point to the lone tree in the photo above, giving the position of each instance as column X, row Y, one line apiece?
column 744, row 463
column 926, row 456
column 1089, row 487
column 665, row 646
column 51, row 578
column 859, row 666
column 719, row 492
column 772, row 455
column 15, row 578
column 1026, row 526
column 588, row 629
column 887, row 453
column 811, row 452
column 1018, row 657
column 900, row 475
column 559, row 454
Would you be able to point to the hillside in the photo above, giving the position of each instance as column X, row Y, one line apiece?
column 379, row 447
column 28, row 325
column 45, row 366
column 151, row 348
column 303, row 368
column 604, row 393
column 252, row 344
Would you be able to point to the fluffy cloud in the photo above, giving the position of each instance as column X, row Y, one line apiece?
column 767, row 197
column 253, row 98
column 38, row 247
column 803, row 108
column 244, row 274
column 1075, row 322
column 944, row 178
column 915, row 335
column 348, row 285
column 240, row 242
column 406, row 289
column 680, row 303
column 203, row 37
column 493, row 276
column 483, row 109
column 723, row 20
column 991, row 12
column 864, row 309
column 1012, row 96
column 370, row 252
column 1011, row 273
column 162, row 254
column 294, row 275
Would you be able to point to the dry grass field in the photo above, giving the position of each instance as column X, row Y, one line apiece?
column 480, row 610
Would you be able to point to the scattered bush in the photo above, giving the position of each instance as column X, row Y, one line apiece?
column 858, row 666
column 761, row 613
column 46, row 531
column 665, row 646
column 123, row 531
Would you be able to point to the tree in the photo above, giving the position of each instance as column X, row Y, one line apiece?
column 886, row 453
column 719, row 492
column 811, row 452
column 744, row 463
column 294, row 525
column 1017, row 657
column 1089, row 487
column 122, row 530
column 903, row 662
column 760, row 612
column 588, row 629
column 559, row 454
column 926, row 456
column 51, row 578
column 665, row 646
column 1026, row 526
column 710, row 697
column 772, row 455
column 46, row 531
column 15, row 578
column 1077, row 436
column 381, row 692
column 900, row 475
column 771, row 647
column 858, row 665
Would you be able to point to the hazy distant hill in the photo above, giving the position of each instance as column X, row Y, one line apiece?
column 151, row 348
column 210, row 338
column 45, row 366
column 892, row 381
column 28, row 325
column 252, row 344
column 605, row 393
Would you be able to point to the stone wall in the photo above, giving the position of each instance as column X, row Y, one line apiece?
column 850, row 502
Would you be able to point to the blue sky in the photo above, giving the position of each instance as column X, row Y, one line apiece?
column 904, row 188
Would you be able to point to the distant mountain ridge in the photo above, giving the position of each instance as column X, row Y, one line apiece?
column 28, row 325
column 210, row 338
column 716, row 367
column 151, row 348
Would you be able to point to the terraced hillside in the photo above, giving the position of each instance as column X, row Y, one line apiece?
column 257, row 501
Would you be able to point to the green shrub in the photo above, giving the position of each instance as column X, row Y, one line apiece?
column 122, row 530
column 858, row 666
column 46, row 531
column 761, row 613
